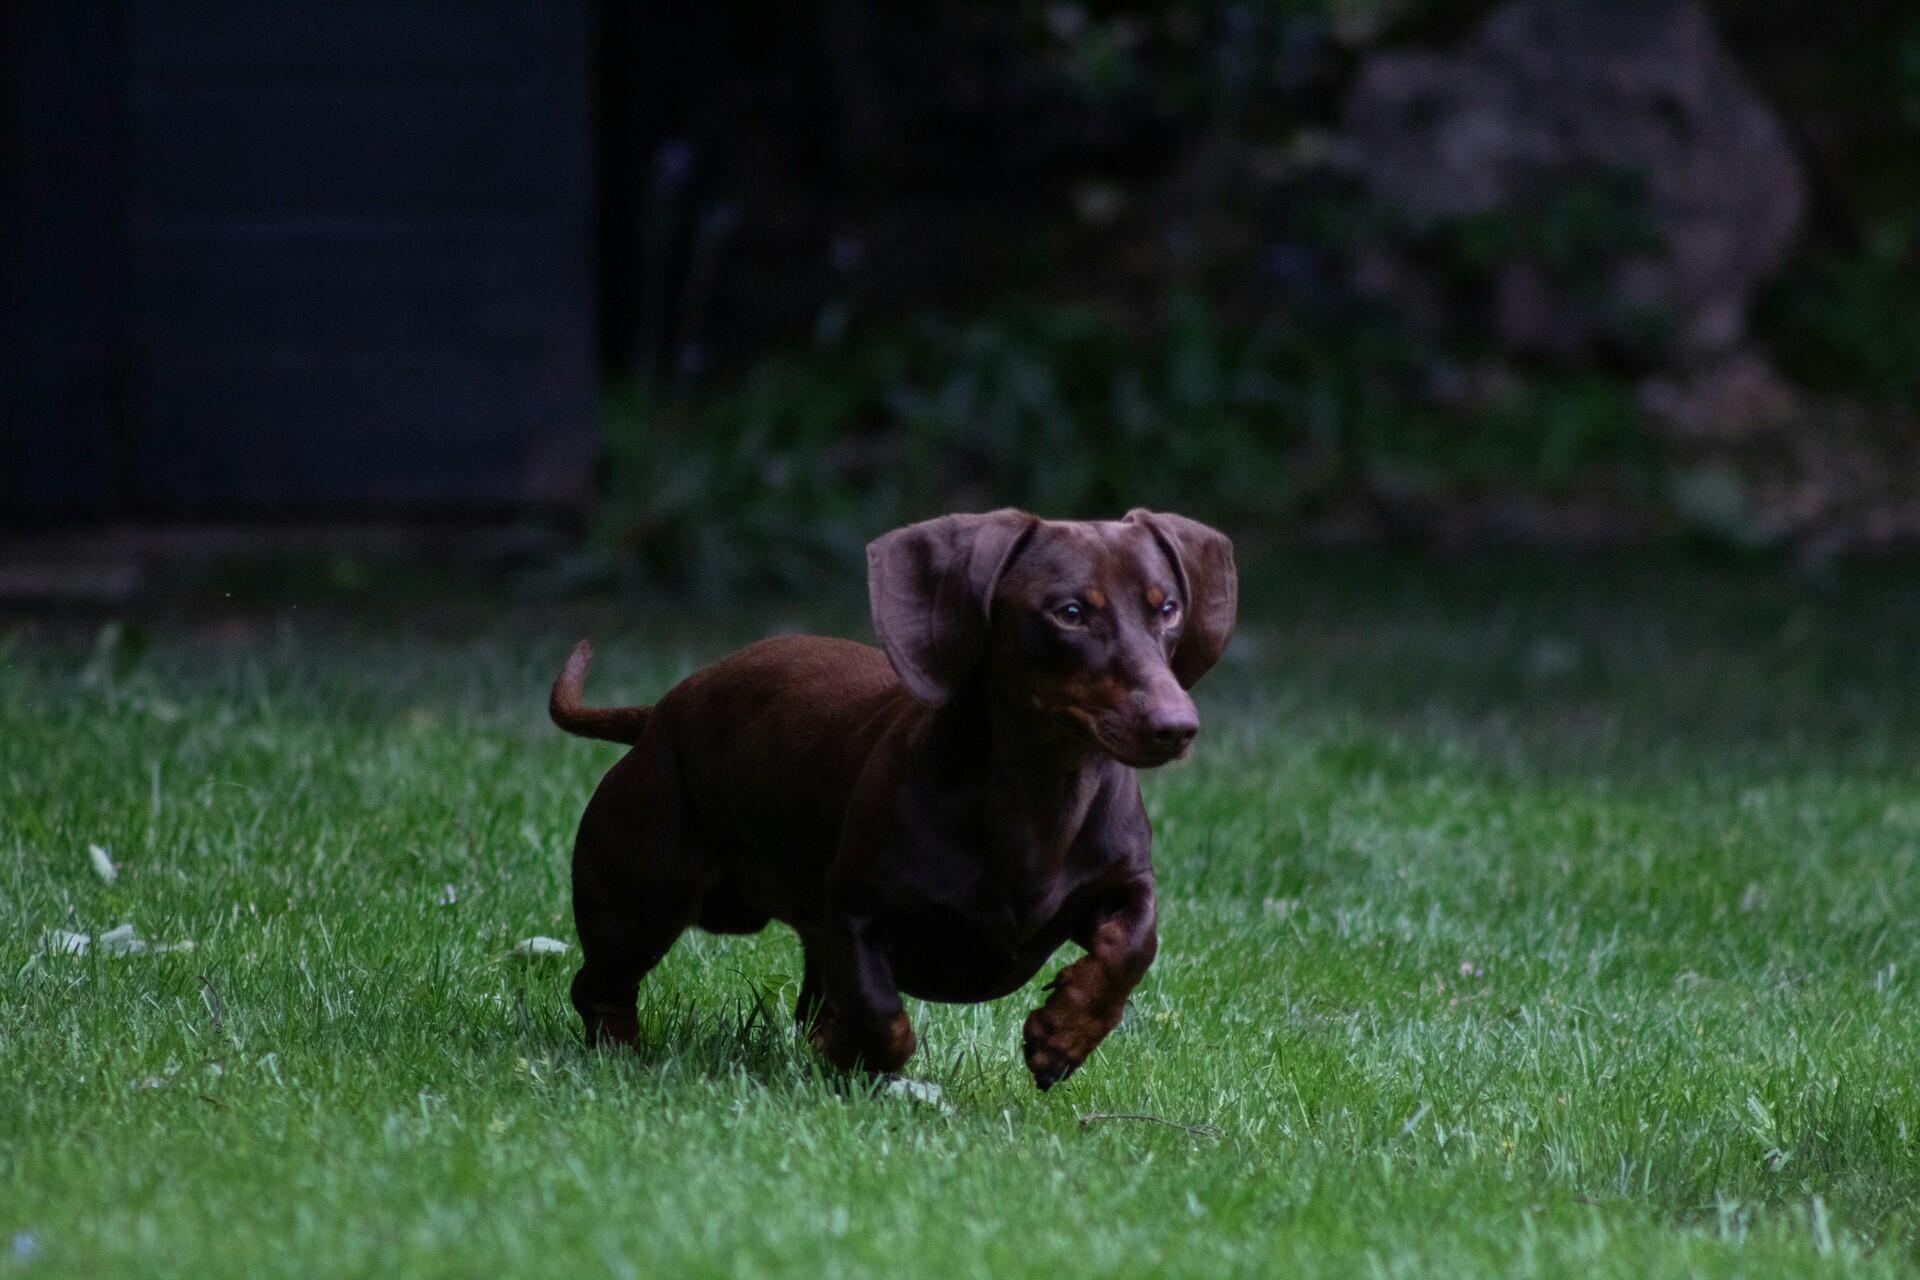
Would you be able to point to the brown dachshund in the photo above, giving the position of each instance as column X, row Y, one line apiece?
column 934, row 821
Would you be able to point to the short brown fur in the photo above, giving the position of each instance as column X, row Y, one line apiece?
column 935, row 820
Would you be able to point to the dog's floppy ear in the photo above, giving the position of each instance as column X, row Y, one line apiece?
column 1203, row 557
column 930, row 585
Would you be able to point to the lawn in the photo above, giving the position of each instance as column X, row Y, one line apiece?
column 1520, row 917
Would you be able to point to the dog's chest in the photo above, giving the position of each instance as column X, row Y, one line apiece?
column 984, row 888
column 1007, row 879
column 968, row 951
column 990, row 903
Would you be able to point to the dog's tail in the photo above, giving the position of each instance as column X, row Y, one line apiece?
column 610, row 724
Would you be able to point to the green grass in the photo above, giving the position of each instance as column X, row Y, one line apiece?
column 1520, row 918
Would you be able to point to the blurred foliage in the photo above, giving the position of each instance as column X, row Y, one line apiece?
column 782, row 476
column 1085, row 256
column 1850, row 322
column 779, row 478
column 1572, row 232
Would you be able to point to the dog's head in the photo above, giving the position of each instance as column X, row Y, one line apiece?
column 1099, row 627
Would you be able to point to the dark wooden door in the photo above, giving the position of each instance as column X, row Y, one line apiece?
column 352, row 268
column 59, row 267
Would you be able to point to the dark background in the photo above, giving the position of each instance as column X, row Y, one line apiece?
column 721, row 290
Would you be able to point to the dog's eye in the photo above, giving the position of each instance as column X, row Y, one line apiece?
column 1170, row 612
column 1070, row 613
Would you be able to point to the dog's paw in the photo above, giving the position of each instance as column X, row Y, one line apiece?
column 878, row 1049
column 1051, row 1049
column 610, row 1028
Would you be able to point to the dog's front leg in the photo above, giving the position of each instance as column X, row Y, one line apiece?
column 1089, row 994
column 861, row 1022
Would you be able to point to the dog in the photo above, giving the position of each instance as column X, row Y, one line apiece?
column 933, row 820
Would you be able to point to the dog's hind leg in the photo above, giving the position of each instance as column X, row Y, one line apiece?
column 638, row 876
column 858, row 1020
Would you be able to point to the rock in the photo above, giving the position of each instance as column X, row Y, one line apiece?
column 1554, row 93
column 1728, row 401
column 1756, row 462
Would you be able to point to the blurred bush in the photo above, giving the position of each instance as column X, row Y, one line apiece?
column 780, row 477
column 1849, row 322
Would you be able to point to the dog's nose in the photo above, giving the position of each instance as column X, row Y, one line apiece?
column 1172, row 725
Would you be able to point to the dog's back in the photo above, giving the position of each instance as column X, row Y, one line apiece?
column 772, row 739
column 768, row 742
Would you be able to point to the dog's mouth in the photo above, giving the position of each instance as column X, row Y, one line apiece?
column 1132, row 748
column 1122, row 741
column 1141, row 757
